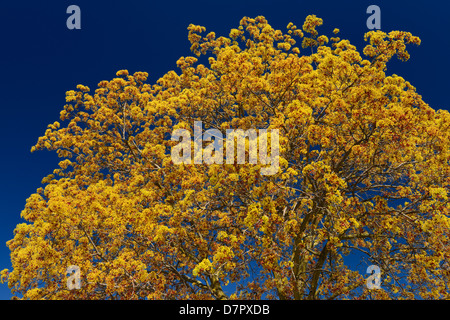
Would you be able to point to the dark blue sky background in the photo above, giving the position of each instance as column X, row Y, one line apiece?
column 40, row 59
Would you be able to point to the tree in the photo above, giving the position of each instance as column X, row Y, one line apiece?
column 363, row 171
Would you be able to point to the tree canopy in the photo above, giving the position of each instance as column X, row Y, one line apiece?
column 363, row 171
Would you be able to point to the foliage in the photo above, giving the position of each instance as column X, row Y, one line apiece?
column 364, row 169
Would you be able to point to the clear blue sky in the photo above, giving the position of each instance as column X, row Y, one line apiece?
column 41, row 59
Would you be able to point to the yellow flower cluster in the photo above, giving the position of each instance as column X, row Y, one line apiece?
column 205, row 266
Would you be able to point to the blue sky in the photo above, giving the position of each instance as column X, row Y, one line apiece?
column 41, row 59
